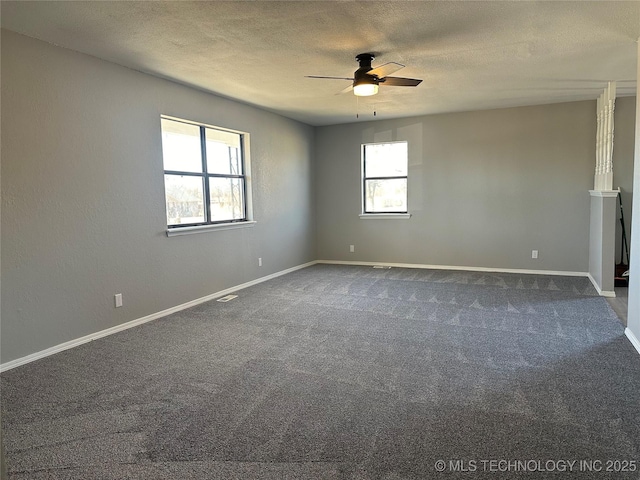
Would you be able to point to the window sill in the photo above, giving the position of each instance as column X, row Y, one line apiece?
column 174, row 232
column 385, row 216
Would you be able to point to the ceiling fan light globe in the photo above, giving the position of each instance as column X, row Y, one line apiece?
column 365, row 89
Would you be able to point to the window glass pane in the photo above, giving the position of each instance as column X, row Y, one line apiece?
column 386, row 160
column 185, row 199
column 386, row 195
column 223, row 152
column 227, row 198
column 181, row 146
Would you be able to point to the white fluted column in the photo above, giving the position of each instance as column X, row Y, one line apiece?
column 603, row 178
column 603, row 199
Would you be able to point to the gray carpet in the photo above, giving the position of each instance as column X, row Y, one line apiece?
column 341, row 372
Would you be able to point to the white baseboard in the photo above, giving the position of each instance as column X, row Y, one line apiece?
column 633, row 339
column 133, row 323
column 139, row 321
column 457, row 267
column 602, row 293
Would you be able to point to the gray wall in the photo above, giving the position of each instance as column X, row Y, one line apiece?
column 623, row 145
column 633, row 319
column 83, row 212
column 485, row 188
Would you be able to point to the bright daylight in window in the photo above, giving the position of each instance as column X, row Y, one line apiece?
column 204, row 175
column 384, row 178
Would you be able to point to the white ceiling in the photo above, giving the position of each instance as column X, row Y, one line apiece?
column 471, row 55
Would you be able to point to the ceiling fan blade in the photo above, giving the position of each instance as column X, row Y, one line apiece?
column 346, row 90
column 385, row 69
column 330, row 78
column 400, row 82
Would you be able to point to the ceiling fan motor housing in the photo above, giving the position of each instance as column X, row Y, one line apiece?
column 360, row 76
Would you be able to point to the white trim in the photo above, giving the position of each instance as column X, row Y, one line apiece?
column 632, row 338
column 603, row 193
column 201, row 124
column 385, row 216
column 457, row 267
column 133, row 323
column 174, row 232
column 602, row 293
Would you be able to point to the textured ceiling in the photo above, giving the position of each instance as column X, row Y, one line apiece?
column 471, row 55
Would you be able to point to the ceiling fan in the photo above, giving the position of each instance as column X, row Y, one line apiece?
column 367, row 79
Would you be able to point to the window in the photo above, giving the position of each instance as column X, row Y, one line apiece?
column 384, row 178
column 204, row 175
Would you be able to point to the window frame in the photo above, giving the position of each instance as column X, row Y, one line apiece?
column 204, row 175
column 371, row 214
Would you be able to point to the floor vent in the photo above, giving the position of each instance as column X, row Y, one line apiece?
column 227, row 298
column 384, row 267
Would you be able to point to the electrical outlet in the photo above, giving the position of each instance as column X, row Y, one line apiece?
column 259, row 261
column 352, row 248
column 118, row 299
column 534, row 253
